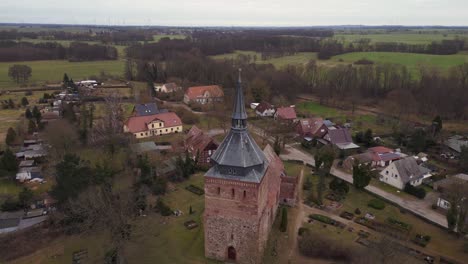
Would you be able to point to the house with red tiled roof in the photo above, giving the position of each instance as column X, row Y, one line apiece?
column 377, row 157
column 167, row 88
column 200, row 145
column 309, row 127
column 203, row 94
column 153, row 125
column 286, row 114
column 265, row 109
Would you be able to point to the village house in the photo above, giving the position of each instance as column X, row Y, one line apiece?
column 339, row 137
column 442, row 186
column 200, row 145
column 147, row 109
column 377, row 157
column 455, row 143
column 286, row 114
column 153, row 125
column 29, row 174
column 265, row 109
column 167, row 88
column 310, row 127
column 203, row 94
column 404, row 171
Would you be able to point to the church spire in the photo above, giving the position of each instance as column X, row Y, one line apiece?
column 239, row 115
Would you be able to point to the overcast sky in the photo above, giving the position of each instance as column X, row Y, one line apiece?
column 237, row 12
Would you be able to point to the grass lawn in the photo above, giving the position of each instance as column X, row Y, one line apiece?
column 157, row 38
column 165, row 239
column 9, row 187
column 51, row 71
column 409, row 38
column 292, row 168
column 316, row 109
column 410, row 60
column 299, row 58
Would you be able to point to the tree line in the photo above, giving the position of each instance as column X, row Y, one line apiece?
column 400, row 91
column 26, row 51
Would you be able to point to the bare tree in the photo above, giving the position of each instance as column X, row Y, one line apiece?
column 62, row 136
column 109, row 130
column 101, row 209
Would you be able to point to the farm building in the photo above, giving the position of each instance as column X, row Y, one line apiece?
column 200, row 145
column 153, row 125
column 204, row 94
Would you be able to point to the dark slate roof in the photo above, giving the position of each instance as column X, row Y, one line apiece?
column 409, row 169
column 147, row 109
column 239, row 104
column 238, row 157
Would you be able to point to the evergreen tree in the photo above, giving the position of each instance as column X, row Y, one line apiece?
column 66, row 80
column 25, row 197
column 277, row 145
column 437, row 125
column 284, row 220
column 37, row 114
column 10, row 137
column 28, row 113
column 8, row 161
column 362, row 175
column 31, row 126
column 69, row 113
column 190, row 210
column 11, row 104
column 368, row 138
column 24, row 101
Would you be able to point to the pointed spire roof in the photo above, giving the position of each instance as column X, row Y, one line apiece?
column 238, row 157
column 239, row 112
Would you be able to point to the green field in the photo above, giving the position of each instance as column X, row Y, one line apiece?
column 299, row 58
column 408, row 38
column 410, row 60
column 159, row 37
column 52, row 71
column 316, row 109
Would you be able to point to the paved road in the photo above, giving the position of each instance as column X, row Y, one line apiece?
column 418, row 207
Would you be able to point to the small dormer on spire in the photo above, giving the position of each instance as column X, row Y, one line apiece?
column 239, row 115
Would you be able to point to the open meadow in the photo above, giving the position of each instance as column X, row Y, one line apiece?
column 279, row 62
column 411, row 60
column 411, row 37
column 51, row 71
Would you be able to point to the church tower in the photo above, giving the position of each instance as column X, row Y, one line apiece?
column 241, row 193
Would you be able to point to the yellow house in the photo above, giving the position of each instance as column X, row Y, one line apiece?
column 153, row 125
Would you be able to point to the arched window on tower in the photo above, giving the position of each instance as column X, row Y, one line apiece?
column 233, row 193
column 245, row 194
column 219, row 190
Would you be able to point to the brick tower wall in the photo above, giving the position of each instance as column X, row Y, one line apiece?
column 231, row 220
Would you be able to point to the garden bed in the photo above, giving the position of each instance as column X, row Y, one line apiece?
column 194, row 189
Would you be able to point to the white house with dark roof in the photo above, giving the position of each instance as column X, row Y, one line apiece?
column 404, row 171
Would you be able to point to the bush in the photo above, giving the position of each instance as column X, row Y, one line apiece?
column 186, row 116
column 10, row 205
column 399, row 223
column 339, row 186
column 376, row 204
column 363, row 62
column 303, row 230
column 434, row 206
column 322, row 218
column 284, row 220
column 322, row 247
column 162, row 208
column 357, row 211
column 415, row 191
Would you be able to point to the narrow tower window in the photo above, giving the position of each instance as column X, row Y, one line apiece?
column 219, row 190
column 232, row 193
column 245, row 194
